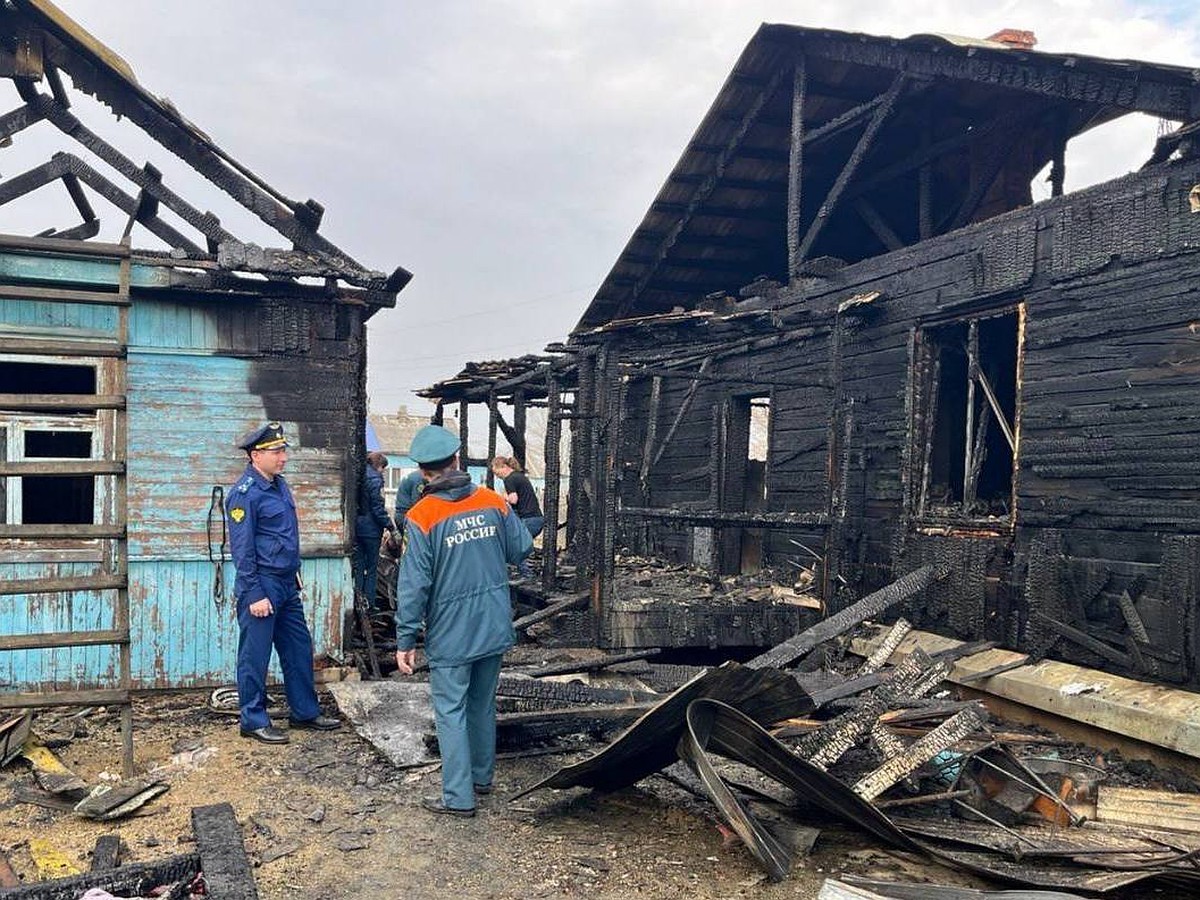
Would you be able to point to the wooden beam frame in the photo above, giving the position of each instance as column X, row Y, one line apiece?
column 878, row 225
column 866, row 139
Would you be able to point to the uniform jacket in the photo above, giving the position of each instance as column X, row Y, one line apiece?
column 408, row 493
column 264, row 535
column 372, row 519
column 454, row 574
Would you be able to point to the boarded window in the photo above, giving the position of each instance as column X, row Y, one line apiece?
column 966, row 438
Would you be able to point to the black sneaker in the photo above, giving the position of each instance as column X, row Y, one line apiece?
column 435, row 805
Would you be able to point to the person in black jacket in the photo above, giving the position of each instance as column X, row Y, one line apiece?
column 369, row 526
column 518, row 491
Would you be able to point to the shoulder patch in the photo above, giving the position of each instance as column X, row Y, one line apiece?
column 237, row 514
column 245, row 485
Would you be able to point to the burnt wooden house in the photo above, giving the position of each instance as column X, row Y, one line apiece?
column 847, row 255
column 126, row 376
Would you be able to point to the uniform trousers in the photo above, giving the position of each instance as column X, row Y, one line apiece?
column 286, row 631
column 464, row 710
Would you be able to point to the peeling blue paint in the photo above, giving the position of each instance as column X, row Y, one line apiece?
column 188, row 399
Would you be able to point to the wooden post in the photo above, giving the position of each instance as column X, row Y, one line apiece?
column 519, row 446
column 796, row 167
column 493, row 417
column 972, row 375
column 583, row 487
column 925, row 180
column 651, row 431
column 552, row 474
column 464, row 433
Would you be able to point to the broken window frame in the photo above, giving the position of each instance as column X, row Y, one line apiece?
column 983, row 408
column 15, row 425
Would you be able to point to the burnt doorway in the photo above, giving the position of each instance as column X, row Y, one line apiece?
column 745, row 444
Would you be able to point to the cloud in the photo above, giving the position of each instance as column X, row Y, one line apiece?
column 504, row 150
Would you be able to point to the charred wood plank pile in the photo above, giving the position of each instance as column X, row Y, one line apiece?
column 882, row 747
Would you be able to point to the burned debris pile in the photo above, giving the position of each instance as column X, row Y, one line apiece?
column 806, row 735
column 219, row 868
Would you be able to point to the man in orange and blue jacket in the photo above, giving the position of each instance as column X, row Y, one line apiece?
column 454, row 579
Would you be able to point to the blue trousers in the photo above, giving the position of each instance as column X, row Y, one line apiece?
column 535, row 524
column 464, row 709
column 366, row 565
column 287, row 632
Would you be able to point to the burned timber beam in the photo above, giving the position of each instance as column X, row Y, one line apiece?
column 552, row 471
column 1135, row 90
column 222, row 853
column 860, row 151
column 796, row 167
column 868, row 607
column 703, row 192
column 718, row 517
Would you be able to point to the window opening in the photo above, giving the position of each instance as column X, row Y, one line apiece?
column 58, row 445
column 46, row 378
column 757, row 447
column 970, row 437
column 58, row 499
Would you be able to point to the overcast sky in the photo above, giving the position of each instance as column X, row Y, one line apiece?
column 504, row 150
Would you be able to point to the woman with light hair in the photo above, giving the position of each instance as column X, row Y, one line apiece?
column 518, row 491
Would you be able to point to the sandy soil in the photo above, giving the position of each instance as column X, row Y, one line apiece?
column 325, row 817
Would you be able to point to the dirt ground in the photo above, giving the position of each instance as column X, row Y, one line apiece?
column 325, row 816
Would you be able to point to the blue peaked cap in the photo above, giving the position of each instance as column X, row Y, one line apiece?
column 433, row 443
column 266, row 437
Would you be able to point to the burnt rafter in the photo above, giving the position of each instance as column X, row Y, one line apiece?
column 706, row 265
column 704, row 191
column 761, row 185
column 719, row 212
column 70, row 169
column 63, row 47
column 1158, row 90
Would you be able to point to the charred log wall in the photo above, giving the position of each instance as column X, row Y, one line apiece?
column 1097, row 294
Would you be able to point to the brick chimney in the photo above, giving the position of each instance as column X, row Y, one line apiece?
column 1015, row 38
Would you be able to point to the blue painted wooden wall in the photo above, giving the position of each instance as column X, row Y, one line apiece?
column 189, row 398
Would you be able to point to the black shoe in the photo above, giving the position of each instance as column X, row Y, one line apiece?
column 318, row 723
column 435, row 805
column 483, row 789
column 268, row 734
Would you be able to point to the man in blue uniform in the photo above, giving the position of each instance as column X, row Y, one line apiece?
column 265, row 544
column 454, row 579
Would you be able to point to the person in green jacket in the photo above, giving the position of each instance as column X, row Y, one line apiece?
column 454, row 580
